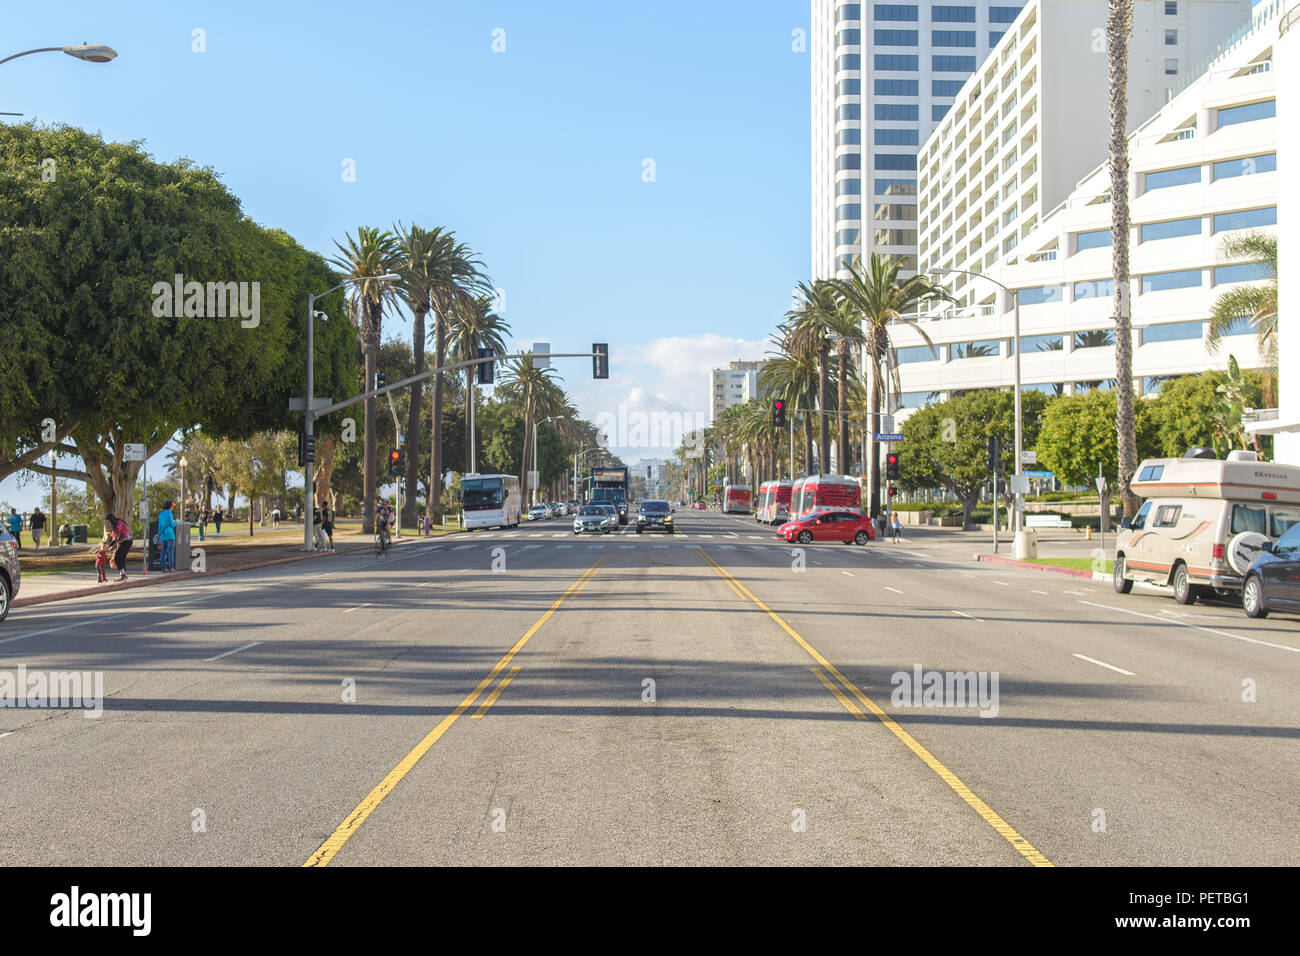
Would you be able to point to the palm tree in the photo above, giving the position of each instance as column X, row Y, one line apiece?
column 1119, row 30
column 415, row 250
column 847, row 327
column 792, row 378
column 533, row 388
column 807, row 330
column 457, row 276
column 371, row 252
column 880, row 299
column 474, row 326
column 1258, row 304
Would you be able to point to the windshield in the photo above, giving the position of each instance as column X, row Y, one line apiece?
column 593, row 512
column 654, row 507
column 479, row 494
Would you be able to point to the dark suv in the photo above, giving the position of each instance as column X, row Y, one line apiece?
column 10, row 576
column 655, row 515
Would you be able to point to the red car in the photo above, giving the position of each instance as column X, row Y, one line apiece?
column 851, row 527
column 700, row 506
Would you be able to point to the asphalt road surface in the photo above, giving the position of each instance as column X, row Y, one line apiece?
column 713, row 697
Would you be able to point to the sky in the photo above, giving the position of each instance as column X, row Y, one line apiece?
column 636, row 174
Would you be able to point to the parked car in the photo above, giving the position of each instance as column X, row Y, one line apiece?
column 595, row 518
column 1272, row 581
column 538, row 513
column 654, row 515
column 10, row 575
column 851, row 527
column 701, row 506
column 573, row 507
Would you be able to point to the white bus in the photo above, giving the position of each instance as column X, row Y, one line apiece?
column 490, row 501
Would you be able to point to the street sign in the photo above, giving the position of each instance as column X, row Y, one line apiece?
column 886, row 423
column 1028, row 457
column 532, row 479
column 299, row 404
column 1101, row 485
column 887, row 436
column 144, row 509
column 1019, row 484
column 1039, row 474
column 133, row 452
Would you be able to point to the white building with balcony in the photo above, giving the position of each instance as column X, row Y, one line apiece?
column 1203, row 167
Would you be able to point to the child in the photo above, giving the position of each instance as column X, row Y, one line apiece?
column 101, row 559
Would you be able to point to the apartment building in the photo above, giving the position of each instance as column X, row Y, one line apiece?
column 736, row 383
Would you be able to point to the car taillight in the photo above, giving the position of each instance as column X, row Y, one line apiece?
column 1217, row 553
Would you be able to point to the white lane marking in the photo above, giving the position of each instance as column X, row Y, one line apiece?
column 529, row 547
column 964, row 614
column 895, row 590
column 1003, row 583
column 7, row 733
column 561, row 547
column 849, row 573
column 462, row 547
column 1093, row 660
column 116, row 617
column 1037, row 592
column 1198, row 627
column 235, row 651
column 1072, row 592
column 818, row 563
column 357, row 607
column 629, row 547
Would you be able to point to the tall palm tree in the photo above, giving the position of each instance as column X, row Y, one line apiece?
column 415, row 251
column 371, row 252
column 474, row 326
column 457, row 276
column 880, row 300
column 792, row 377
column 1256, row 303
column 534, row 389
column 845, row 324
column 807, row 330
column 1119, row 30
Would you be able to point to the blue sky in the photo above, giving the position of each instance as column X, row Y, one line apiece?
column 534, row 156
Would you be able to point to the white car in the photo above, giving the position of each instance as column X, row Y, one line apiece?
column 538, row 513
column 595, row 519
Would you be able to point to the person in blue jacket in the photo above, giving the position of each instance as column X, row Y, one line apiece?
column 167, row 536
column 16, row 526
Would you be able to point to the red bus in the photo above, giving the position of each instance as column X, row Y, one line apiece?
column 774, row 502
column 826, row 491
column 737, row 500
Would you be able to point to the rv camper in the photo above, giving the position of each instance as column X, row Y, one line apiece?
column 1204, row 521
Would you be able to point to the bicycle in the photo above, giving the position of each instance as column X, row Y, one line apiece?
column 382, row 543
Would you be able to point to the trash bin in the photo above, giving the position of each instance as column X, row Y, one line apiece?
column 183, row 546
column 153, row 547
column 1026, row 544
column 79, row 534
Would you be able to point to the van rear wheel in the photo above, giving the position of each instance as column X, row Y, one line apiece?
column 1185, row 592
column 1122, row 584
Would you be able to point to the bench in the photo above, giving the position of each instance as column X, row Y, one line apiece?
column 1047, row 521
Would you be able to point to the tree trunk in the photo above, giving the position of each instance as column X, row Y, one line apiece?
column 370, row 457
column 410, row 508
column 824, row 425
column 1119, row 28
column 329, row 446
column 967, row 506
column 844, row 457
column 435, row 453
column 807, row 445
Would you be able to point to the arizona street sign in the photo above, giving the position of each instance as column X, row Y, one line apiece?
column 887, row 436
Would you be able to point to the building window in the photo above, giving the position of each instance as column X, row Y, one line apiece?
column 896, row 38
column 1094, row 289
column 952, row 14
column 849, row 137
column 848, row 38
column 848, row 187
column 1241, row 326
column 1247, row 166
column 1093, row 239
column 896, row 137
column 1232, row 115
column 1103, row 385
column 1171, row 38
column 995, row 36
column 899, row 112
column 1246, row 219
column 1165, row 178
column 897, row 87
column 1170, row 332
column 1040, row 343
column 848, row 161
column 904, row 62
column 1003, row 14
column 919, row 353
column 952, row 38
column 952, row 64
column 846, row 261
column 1094, row 339
column 895, row 12
column 849, row 111
column 848, row 88
column 1171, row 67
column 1170, row 229
column 945, row 87
column 916, row 399
column 1040, row 295
column 1243, row 272
column 895, row 161
column 893, row 212
column 850, row 210
column 939, row 111
column 850, row 11
column 847, row 237
column 894, row 237
column 1166, row 281
column 986, row 348
column 848, row 61
column 895, row 187
column 1171, row 8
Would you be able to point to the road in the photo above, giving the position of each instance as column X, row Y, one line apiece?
column 533, row 697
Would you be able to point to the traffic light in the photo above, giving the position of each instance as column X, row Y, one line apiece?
column 778, row 413
column 486, row 369
column 891, row 467
column 306, row 449
column 995, row 454
column 396, row 461
column 892, row 491
column 600, row 360
column 380, row 379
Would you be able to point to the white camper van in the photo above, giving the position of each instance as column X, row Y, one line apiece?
column 1204, row 521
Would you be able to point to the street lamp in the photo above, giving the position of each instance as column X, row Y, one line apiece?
column 548, row 418
column 309, row 472
column 1015, row 300
column 183, row 463
column 90, row 52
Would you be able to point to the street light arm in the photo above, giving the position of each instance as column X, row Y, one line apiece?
column 44, row 49
column 978, row 275
column 89, row 52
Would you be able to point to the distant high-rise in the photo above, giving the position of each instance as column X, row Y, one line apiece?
column 736, row 383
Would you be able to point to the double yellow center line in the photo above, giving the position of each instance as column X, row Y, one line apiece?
column 1022, row 846
column 353, row 821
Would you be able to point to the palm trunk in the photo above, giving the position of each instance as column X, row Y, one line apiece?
column 807, row 445
column 1119, row 28
column 411, row 506
column 370, row 458
column 844, row 455
column 824, row 425
column 435, row 453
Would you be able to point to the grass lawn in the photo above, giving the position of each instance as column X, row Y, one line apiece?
column 1079, row 564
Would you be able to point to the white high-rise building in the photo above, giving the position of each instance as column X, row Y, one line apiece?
column 1034, row 120
column 736, row 383
column 883, row 74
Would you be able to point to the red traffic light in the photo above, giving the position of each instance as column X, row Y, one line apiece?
column 778, row 404
column 394, row 456
column 892, row 459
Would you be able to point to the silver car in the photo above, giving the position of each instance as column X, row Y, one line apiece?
column 595, row 519
column 10, row 575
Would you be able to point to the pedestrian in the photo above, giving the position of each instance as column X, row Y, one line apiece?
column 167, row 536
column 217, row 518
column 102, row 554
column 65, row 532
column 897, row 529
column 297, row 513
column 327, row 522
column 275, row 519
column 204, row 517
column 37, row 523
column 16, row 526
column 121, row 540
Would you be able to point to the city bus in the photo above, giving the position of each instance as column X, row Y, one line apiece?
column 774, row 502
column 490, row 501
column 737, row 500
column 826, row 491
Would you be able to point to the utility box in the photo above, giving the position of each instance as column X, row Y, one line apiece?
column 79, row 534
column 183, row 545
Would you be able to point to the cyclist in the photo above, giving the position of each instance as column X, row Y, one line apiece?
column 383, row 520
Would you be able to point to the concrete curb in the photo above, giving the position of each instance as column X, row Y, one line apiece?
column 156, row 577
column 1028, row 566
